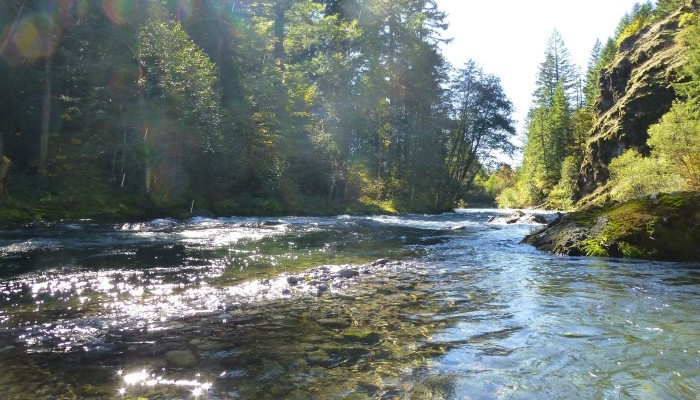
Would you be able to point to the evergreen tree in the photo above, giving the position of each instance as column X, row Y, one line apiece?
column 269, row 103
column 591, row 88
column 555, row 69
column 549, row 129
column 664, row 8
column 640, row 16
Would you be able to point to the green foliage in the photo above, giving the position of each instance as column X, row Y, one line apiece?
column 635, row 176
column 591, row 90
column 676, row 140
column 180, row 110
column 595, row 247
column 525, row 193
column 499, row 180
column 482, row 126
column 550, row 135
column 641, row 15
column 674, row 161
column 564, row 193
column 687, row 19
column 553, row 129
column 510, row 197
column 253, row 107
column 556, row 70
column 608, row 53
column 632, row 28
column 664, row 8
column 691, row 89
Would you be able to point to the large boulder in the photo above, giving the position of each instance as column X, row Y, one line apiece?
column 518, row 217
column 661, row 227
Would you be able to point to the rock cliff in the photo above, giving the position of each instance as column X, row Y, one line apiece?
column 636, row 90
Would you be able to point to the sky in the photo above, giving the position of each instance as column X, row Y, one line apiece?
column 508, row 38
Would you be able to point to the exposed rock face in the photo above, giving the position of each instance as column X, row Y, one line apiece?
column 636, row 91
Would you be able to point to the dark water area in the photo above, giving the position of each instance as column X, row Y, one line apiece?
column 409, row 307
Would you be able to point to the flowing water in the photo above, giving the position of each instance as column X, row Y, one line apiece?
column 410, row 307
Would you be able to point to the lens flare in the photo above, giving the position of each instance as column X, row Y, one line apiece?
column 119, row 12
column 34, row 37
column 184, row 9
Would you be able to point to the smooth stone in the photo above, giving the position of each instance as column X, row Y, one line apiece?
column 181, row 358
column 333, row 323
column 211, row 345
column 348, row 273
column 6, row 348
column 321, row 289
column 381, row 261
column 292, row 280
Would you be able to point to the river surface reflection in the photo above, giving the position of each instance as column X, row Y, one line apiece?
column 408, row 307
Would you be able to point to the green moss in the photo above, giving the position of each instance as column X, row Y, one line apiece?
column 361, row 334
column 665, row 227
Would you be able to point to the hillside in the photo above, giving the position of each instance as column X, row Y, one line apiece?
column 639, row 184
column 636, row 90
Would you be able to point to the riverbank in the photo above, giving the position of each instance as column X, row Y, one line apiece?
column 31, row 198
column 658, row 227
column 138, row 208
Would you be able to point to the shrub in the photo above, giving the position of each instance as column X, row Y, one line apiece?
column 676, row 139
column 563, row 194
column 637, row 176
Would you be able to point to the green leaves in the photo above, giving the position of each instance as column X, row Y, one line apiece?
column 482, row 126
column 553, row 129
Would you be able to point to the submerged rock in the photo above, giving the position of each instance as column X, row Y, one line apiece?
column 361, row 334
column 334, row 323
column 181, row 358
column 380, row 262
column 661, row 227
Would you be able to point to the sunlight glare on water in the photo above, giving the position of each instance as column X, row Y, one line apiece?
column 416, row 306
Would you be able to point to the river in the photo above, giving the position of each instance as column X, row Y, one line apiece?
column 388, row 307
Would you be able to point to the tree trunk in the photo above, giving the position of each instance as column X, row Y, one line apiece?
column 280, row 22
column 4, row 170
column 141, row 101
column 45, row 120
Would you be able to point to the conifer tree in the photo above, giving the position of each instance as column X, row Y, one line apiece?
column 556, row 68
column 549, row 129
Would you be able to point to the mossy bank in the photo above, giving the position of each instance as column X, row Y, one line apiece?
column 660, row 227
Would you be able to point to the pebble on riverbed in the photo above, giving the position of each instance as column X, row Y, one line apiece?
column 315, row 282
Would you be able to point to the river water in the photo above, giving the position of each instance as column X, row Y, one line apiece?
column 410, row 307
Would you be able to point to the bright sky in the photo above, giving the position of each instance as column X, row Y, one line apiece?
column 508, row 38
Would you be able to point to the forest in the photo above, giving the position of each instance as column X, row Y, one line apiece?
column 238, row 107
